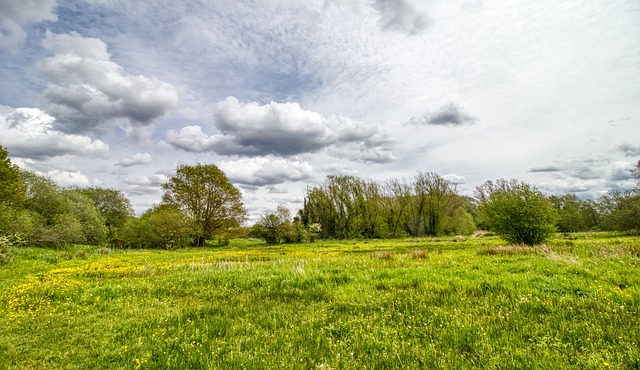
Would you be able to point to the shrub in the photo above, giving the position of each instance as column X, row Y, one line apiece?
column 516, row 211
column 162, row 227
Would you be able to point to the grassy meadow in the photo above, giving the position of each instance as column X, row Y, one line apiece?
column 428, row 303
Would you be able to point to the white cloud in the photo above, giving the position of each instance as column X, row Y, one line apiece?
column 67, row 178
column 283, row 129
column 87, row 89
column 152, row 180
column 136, row 159
column 454, row 179
column 14, row 14
column 29, row 133
column 266, row 171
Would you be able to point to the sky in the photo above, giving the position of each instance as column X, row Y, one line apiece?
column 281, row 93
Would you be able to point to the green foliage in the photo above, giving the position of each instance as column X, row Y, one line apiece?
column 277, row 226
column 18, row 224
column 621, row 211
column 460, row 223
column 574, row 214
column 162, row 227
column 205, row 194
column 516, row 211
column 84, row 210
column 62, row 216
column 12, row 189
column 45, row 198
column 112, row 205
column 350, row 207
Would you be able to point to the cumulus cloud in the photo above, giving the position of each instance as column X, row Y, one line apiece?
column 15, row 14
column 361, row 152
column 629, row 150
column 621, row 171
column 401, row 16
column 136, row 159
column 87, row 89
column 30, row 133
column 454, row 179
column 450, row 114
column 68, row 178
column 266, row 171
column 282, row 129
column 152, row 180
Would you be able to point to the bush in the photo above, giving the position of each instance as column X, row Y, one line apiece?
column 163, row 227
column 18, row 224
column 516, row 211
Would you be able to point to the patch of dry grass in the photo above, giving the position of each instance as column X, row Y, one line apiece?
column 418, row 253
column 515, row 249
column 383, row 255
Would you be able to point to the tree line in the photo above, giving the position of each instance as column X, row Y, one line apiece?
column 199, row 204
column 344, row 207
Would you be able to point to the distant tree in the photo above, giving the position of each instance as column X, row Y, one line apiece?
column 620, row 210
column 573, row 214
column 64, row 216
column 18, row 223
column 161, row 227
column 516, row 211
column 397, row 198
column 114, row 207
column 435, row 198
column 273, row 226
column 94, row 229
column 351, row 207
column 12, row 189
column 205, row 194
column 44, row 197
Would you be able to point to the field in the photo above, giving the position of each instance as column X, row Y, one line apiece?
column 379, row 304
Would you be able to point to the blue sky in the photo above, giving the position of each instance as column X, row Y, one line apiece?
column 280, row 94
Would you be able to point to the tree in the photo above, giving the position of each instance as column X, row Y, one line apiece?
column 205, row 194
column 114, row 207
column 516, row 211
column 161, row 227
column 84, row 210
column 274, row 227
column 573, row 214
column 12, row 189
column 621, row 209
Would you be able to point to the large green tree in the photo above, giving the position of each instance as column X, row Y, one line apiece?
column 12, row 189
column 205, row 194
column 516, row 211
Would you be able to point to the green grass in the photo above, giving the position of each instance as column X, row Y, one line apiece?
column 388, row 304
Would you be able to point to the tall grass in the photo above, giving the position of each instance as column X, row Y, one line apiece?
column 394, row 304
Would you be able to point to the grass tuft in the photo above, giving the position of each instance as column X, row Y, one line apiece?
column 515, row 249
column 418, row 253
column 383, row 255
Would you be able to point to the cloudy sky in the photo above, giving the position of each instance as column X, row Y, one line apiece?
column 281, row 93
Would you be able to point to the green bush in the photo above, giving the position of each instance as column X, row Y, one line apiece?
column 18, row 223
column 516, row 211
column 163, row 227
